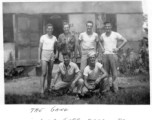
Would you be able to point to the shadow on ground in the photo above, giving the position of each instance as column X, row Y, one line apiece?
column 133, row 95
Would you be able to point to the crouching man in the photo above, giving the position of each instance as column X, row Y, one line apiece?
column 95, row 77
column 70, row 76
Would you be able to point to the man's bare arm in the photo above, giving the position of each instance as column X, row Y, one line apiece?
column 102, row 76
column 78, row 76
column 39, row 52
column 124, row 42
column 56, row 77
column 101, row 45
column 79, row 47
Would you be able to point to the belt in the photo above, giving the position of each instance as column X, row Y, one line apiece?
column 88, row 49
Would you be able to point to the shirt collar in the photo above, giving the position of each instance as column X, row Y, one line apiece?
column 68, row 65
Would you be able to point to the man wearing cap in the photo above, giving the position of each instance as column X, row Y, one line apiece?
column 95, row 77
column 109, row 48
column 88, row 43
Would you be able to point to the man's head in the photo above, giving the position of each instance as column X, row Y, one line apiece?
column 89, row 26
column 66, row 57
column 92, row 58
column 66, row 27
column 49, row 29
column 108, row 26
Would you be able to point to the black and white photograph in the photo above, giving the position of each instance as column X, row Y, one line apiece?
column 76, row 52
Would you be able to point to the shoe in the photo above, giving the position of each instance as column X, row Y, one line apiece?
column 77, row 97
column 80, row 95
column 114, row 89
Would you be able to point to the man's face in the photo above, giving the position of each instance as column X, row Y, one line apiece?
column 108, row 27
column 66, row 59
column 66, row 28
column 92, row 59
column 49, row 30
column 89, row 27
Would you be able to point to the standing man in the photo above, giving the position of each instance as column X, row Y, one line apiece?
column 46, row 56
column 109, row 47
column 87, row 43
column 66, row 42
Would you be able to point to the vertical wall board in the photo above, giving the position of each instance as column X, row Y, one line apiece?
column 113, row 20
column 23, row 53
column 28, row 35
column 34, row 53
column 78, row 22
column 130, row 26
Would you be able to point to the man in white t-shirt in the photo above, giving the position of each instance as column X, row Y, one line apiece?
column 109, row 47
column 46, row 56
column 88, row 43
column 95, row 75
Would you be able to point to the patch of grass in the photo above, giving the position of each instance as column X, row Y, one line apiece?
column 124, row 96
column 22, row 99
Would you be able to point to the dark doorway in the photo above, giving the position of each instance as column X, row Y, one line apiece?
column 57, row 21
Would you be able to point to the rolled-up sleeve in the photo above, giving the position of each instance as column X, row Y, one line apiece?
column 80, row 37
column 85, row 73
column 41, row 39
column 76, row 68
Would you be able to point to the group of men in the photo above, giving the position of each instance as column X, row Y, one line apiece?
column 92, row 74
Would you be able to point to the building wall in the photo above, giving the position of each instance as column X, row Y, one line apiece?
column 128, row 15
column 9, row 48
column 130, row 26
column 73, row 7
column 131, row 45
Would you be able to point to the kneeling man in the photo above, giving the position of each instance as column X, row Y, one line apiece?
column 95, row 77
column 70, row 75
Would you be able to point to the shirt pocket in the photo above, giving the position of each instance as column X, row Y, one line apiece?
column 63, row 72
column 71, row 71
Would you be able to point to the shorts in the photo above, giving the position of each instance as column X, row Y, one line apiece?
column 47, row 55
column 84, row 58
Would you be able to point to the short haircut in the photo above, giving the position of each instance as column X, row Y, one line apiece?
column 107, row 22
column 89, row 22
column 66, row 53
column 66, row 23
column 49, row 24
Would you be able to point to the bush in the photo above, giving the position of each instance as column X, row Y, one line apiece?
column 140, row 64
column 11, row 70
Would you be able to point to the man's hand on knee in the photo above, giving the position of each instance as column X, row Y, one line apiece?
column 97, row 81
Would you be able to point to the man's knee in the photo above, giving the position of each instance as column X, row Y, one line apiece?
column 104, row 80
column 80, row 81
column 44, row 73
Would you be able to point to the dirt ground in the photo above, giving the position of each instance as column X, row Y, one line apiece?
column 27, row 86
